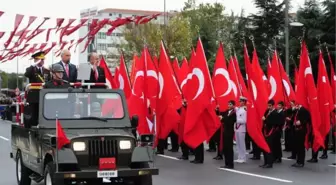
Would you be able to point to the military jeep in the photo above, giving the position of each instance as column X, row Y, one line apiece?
column 102, row 146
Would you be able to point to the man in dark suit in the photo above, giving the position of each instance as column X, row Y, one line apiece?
column 277, row 153
column 97, row 74
column 270, row 120
column 70, row 70
column 302, row 119
column 36, row 74
column 289, row 130
column 228, row 120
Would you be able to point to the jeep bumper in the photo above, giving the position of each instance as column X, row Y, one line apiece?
column 93, row 174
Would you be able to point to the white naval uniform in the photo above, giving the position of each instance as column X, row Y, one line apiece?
column 240, row 130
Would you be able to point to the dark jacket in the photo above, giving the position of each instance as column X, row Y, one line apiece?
column 270, row 122
column 228, row 122
column 101, row 77
column 72, row 73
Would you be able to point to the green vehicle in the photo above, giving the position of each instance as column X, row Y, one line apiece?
column 101, row 140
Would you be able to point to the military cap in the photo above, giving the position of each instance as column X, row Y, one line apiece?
column 39, row 55
column 242, row 98
column 57, row 68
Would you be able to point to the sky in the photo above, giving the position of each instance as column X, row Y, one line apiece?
column 72, row 8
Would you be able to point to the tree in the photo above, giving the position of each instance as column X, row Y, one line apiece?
column 208, row 22
column 328, row 25
column 178, row 38
column 267, row 26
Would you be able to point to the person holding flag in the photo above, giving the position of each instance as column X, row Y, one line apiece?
column 228, row 119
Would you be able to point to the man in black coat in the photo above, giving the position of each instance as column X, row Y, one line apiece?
column 97, row 74
column 289, row 130
column 228, row 120
column 302, row 119
column 70, row 70
column 277, row 153
column 270, row 126
column 35, row 74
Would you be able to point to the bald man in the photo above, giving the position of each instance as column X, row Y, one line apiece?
column 70, row 70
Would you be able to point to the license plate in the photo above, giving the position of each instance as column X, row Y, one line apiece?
column 107, row 174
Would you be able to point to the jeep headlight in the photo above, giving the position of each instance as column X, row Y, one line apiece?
column 125, row 144
column 78, row 146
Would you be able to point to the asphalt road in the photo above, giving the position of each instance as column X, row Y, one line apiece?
column 173, row 171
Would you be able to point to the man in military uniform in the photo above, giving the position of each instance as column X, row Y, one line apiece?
column 240, row 130
column 57, row 78
column 35, row 74
column 280, row 122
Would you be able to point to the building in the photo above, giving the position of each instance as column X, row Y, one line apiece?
column 109, row 46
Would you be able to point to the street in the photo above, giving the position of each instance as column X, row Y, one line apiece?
column 173, row 171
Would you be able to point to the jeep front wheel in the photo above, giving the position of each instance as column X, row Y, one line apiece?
column 22, row 172
column 49, row 172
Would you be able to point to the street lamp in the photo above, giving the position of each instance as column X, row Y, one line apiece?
column 295, row 24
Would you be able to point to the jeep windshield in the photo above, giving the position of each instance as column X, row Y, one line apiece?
column 83, row 105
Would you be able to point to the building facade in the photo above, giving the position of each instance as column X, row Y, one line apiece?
column 109, row 46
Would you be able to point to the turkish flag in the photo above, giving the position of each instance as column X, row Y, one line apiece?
column 61, row 138
column 258, row 101
column 108, row 74
column 201, row 121
column 182, row 75
column 288, row 88
column 325, row 97
column 222, row 84
column 167, row 117
column 138, row 102
column 176, row 66
column 332, row 78
column 152, row 83
column 306, row 96
column 275, row 80
column 242, row 86
column 123, row 79
column 133, row 69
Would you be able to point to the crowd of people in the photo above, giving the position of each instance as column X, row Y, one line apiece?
column 292, row 124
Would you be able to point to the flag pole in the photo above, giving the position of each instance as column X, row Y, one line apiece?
column 56, row 153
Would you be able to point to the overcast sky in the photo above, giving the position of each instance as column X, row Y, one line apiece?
column 71, row 9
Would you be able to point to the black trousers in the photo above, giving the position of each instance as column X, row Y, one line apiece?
column 299, row 145
column 333, row 140
column 325, row 150
column 199, row 153
column 289, row 139
column 174, row 140
column 228, row 149
column 161, row 145
column 248, row 141
column 256, row 150
column 212, row 143
column 185, row 150
column 277, row 149
column 268, row 157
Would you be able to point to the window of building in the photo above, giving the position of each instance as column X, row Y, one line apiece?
column 101, row 46
column 120, row 15
column 101, row 35
column 110, row 14
column 119, row 34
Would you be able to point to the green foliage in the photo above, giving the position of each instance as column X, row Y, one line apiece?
column 177, row 33
column 9, row 80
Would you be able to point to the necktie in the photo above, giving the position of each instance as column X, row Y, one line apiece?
column 95, row 73
column 67, row 69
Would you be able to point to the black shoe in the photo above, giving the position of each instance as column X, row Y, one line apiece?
column 173, row 150
column 312, row 161
column 183, row 158
column 255, row 158
column 267, row 166
column 333, row 152
column 333, row 164
column 278, row 161
column 196, row 162
column 261, row 166
column 159, row 153
column 227, row 167
column 251, row 152
column 324, row 156
column 291, row 157
column 297, row 165
column 211, row 150
column 218, row 157
column 286, row 150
